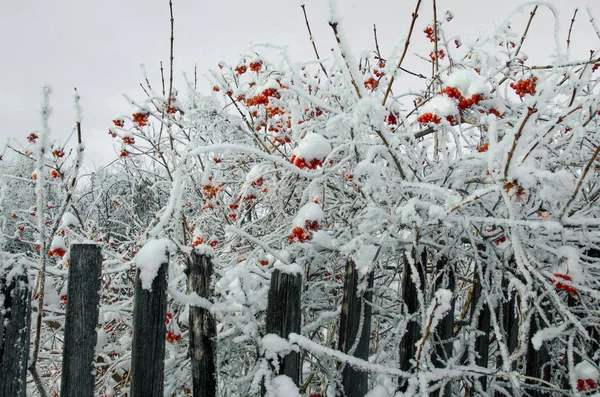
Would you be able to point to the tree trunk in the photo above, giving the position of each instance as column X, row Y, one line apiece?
column 284, row 316
column 203, row 329
column 14, row 328
column 149, row 330
column 355, row 317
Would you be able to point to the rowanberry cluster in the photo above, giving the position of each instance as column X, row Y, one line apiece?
column 524, row 87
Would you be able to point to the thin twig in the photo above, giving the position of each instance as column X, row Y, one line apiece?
column 312, row 40
column 415, row 15
column 514, row 144
column 334, row 27
column 558, row 121
column 435, row 40
column 376, row 42
column 581, row 179
column 171, row 53
column 571, row 28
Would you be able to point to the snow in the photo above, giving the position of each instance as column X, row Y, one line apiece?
column 378, row 391
column 283, row 386
column 313, row 146
column 363, row 258
column 468, row 82
column 585, row 370
column 149, row 259
column 69, row 220
column 570, row 264
column 440, row 105
column 309, row 212
column 58, row 242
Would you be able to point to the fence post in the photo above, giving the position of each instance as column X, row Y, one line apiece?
column 14, row 327
column 481, row 312
column 83, row 300
column 444, row 331
column 535, row 361
column 410, row 298
column 284, row 316
column 203, row 329
column 354, row 306
column 149, row 330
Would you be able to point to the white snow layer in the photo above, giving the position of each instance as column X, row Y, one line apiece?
column 440, row 105
column 153, row 254
column 585, row 370
column 313, row 146
column 468, row 82
column 309, row 212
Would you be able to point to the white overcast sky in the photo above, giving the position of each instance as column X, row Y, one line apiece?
column 97, row 46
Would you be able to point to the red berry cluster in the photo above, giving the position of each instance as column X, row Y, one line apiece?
column 301, row 163
column 371, row 83
column 58, row 252
column 440, row 54
column 586, row 385
column 241, row 69
column 32, row 138
column 118, row 122
column 256, row 66
column 172, row 337
column 483, row 148
column 263, row 97
column 141, row 119
column 128, row 140
column 300, row 235
column 429, row 33
column 560, row 285
column 429, row 118
column 524, row 87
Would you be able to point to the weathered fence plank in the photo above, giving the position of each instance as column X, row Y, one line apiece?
column 480, row 313
column 83, row 300
column 14, row 327
column 410, row 298
column 284, row 316
column 444, row 332
column 203, row 329
column 355, row 317
column 536, row 361
column 149, row 330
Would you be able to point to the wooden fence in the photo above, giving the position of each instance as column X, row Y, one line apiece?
column 283, row 318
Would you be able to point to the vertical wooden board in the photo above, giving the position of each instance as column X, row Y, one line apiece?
column 284, row 316
column 482, row 316
column 444, row 332
column 14, row 334
column 355, row 381
column 83, row 300
column 149, row 331
column 410, row 298
column 203, row 330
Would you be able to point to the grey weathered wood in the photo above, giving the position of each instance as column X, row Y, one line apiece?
column 284, row 316
column 410, row 298
column 444, row 332
column 480, row 313
column 149, row 331
column 203, row 329
column 83, row 300
column 536, row 361
column 356, row 310
column 14, row 329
